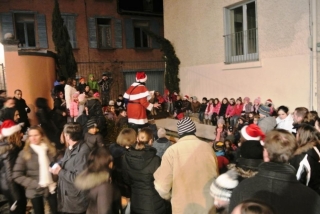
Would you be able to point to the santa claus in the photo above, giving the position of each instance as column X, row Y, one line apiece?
column 138, row 95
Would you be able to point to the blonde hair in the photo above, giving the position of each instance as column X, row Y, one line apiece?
column 127, row 137
column 144, row 136
column 51, row 148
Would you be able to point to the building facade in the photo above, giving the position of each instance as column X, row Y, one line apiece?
column 105, row 35
column 254, row 48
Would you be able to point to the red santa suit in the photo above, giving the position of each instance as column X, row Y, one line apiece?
column 138, row 96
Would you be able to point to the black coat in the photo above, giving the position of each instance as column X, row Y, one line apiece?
column 58, row 110
column 11, row 190
column 138, row 167
column 276, row 184
column 50, row 129
column 23, row 110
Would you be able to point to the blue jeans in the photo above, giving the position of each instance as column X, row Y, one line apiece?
column 201, row 116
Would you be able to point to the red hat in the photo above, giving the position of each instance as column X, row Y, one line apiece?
column 8, row 128
column 141, row 76
column 269, row 101
column 186, row 96
column 252, row 132
column 96, row 95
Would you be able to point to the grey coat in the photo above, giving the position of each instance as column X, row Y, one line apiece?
column 161, row 145
column 70, row 199
column 26, row 173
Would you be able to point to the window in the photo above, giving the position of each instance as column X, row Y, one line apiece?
column 141, row 39
column 25, row 30
column 241, row 43
column 105, row 32
column 69, row 21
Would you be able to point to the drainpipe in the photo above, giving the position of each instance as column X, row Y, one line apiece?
column 313, row 55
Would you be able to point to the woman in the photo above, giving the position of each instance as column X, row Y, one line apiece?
column 21, row 106
column 126, row 138
column 139, row 164
column 306, row 158
column 97, row 180
column 284, row 119
column 10, row 146
column 44, row 116
column 10, row 114
column 69, row 90
column 32, row 170
column 111, row 113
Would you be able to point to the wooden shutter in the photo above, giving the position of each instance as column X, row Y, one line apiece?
column 129, row 33
column 118, row 33
column 92, row 33
column 42, row 31
column 155, row 28
column 6, row 24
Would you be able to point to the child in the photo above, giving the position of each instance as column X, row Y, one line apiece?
column 202, row 110
column 230, row 135
column 216, row 110
column 87, row 90
column 256, row 119
column 236, row 113
column 230, row 149
column 120, row 103
column 82, row 85
column 229, row 111
column 209, row 111
column 247, row 107
column 256, row 104
column 219, row 148
column 82, row 100
column 220, row 130
column 92, row 138
column 74, row 111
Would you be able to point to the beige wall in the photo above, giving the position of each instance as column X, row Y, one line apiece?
column 196, row 30
column 33, row 75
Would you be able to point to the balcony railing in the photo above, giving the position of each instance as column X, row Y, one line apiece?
column 241, row 46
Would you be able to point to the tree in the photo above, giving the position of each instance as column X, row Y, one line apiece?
column 171, row 77
column 67, row 65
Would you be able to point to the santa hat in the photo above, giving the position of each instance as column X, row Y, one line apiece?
column 252, row 132
column 186, row 97
column 97, row 95
column 8, row 128
column 141, row 76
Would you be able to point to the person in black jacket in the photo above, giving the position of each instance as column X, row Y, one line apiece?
column 138, row 166
column 10, row 146
column 44, row 116
column 23, row 109
column 59, row 111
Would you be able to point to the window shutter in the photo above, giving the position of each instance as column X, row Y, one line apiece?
column 92, row 32
column 71, row 26
column 6, row 23
column 42, row 31
column 129, row 33
column 155, row 28
column 118, row 33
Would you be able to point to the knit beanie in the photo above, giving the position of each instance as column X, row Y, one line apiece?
column 224, row 184
column 92, row 123
column 221, row 121
column 264, row 110
column 186, row 125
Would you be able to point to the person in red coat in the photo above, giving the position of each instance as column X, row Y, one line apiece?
column 138, row 95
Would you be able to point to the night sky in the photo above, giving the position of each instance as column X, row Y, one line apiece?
column 137, row 5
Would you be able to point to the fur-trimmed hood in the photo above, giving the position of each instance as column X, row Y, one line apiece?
column 305, row 148
column 86, row 180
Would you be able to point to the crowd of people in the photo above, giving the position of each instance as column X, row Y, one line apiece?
column 263, row 159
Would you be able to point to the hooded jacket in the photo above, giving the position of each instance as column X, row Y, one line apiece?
column 138, row 168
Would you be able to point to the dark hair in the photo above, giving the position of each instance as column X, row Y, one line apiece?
column 74, row 131
column 62, row 78
column 204, row 98
column 225, row 99
column 215, row 99
column 15, row 91
column 234, row 102
column 8, row 114
column 42, row 103
column 69, row 81
column 121, row 110
column 99, row 160
column 120, row 95
column 285, row 109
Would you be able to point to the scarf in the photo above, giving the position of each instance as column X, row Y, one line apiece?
column 45, row 177
column 219, row 131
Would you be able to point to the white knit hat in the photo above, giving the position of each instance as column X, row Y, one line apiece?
column 224, row 184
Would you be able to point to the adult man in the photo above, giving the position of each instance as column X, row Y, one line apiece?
column 187, row 169
column 138, row 95
column 70, row 199
column 276, row 183
column 300, row 115
column 105, row 84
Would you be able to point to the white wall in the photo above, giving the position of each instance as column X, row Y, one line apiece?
column 196, row 30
